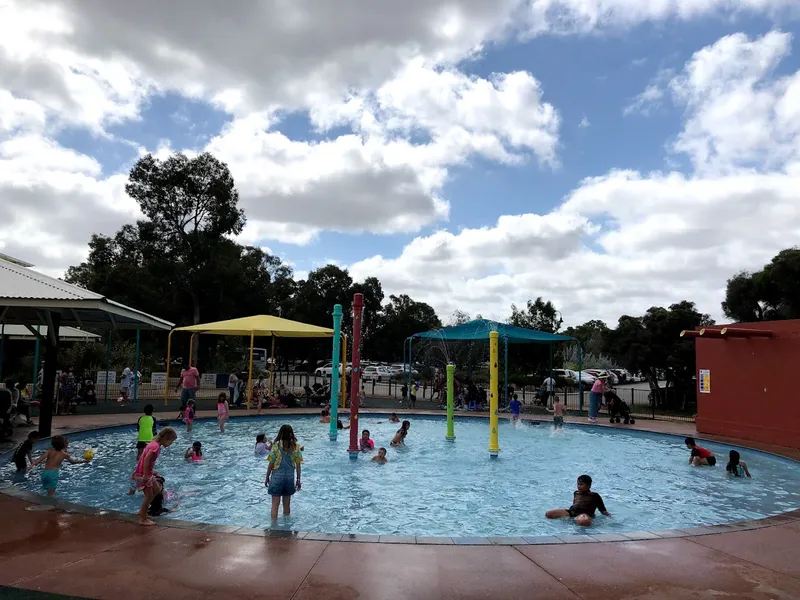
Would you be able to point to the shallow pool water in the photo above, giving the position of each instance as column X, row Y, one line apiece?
column 435, row 487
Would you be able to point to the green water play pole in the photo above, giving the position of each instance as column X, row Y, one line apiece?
column 335, row 360
column 451, row 434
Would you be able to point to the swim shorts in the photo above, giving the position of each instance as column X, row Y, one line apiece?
column 712, row 460
column 281, row 484
column 50, row 479
column 574, row 512
column 558, row 421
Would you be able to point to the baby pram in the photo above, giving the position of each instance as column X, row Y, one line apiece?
column 318, row 394
column 617, row 409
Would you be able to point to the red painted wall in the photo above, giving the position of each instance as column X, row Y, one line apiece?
column 755, row 385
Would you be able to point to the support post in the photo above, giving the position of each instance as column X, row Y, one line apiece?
column 580, row 377
column 410, row 363
column 191, row 349
column 2, row 347
column 250, row 376
column 505, row 366
column 494, row 351
column 451, row 434
column 355, row 376
column 36, row 365
column 343, row 395
column 551, row 398
column 335, row 361
column 169, row 360
column 272, row 369
column 49, row 379
column 108, row 364
column 136, row 366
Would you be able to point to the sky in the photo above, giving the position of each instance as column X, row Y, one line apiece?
column 608, row 155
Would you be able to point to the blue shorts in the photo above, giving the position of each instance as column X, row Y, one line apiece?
column 187, row 395
column 281, row 484
column 50, row 479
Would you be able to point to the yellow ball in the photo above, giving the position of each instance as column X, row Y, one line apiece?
column 88, row 455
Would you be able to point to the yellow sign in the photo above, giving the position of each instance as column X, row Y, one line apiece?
column 704, row 379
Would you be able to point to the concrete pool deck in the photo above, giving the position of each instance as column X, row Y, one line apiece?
column 68, row 550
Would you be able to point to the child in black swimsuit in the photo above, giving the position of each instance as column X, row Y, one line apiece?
column 584, row 504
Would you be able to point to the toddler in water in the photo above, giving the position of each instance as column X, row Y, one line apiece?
column 736, row 467
column 325, row 416
column 54, row 457
column 380, row 457
column 222, row 411
column 188, row 416
column 366, row 444
column 699, row 456
column 399, row 438
column 584, row 503
column 263, row 445
column 515, row 406
column 24, row 451
column 195, row 453
column 145, row 477
column 393, row 418
column 558, row 413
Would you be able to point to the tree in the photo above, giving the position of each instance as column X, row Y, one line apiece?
column 767, row 295
column 651, row 345
column 538, row 314
column 591, row 335
column 402, row 317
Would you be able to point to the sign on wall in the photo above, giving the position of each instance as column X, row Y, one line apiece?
column 158, row 379
column 101, row 378
column 704, row 378
column 208, row 380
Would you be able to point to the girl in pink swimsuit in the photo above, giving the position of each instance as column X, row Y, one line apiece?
column 222, row 411
column 145, row 476
column 194, row 453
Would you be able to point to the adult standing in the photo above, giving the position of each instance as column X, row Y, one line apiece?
column 233, row 386
column 548, row 391
column 596, row 396
column 125, row 383
column 190, row 378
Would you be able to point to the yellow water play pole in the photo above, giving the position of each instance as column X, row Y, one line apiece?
column 169, row 359
column 344, row 371
column 494, row 445
column 191, row 349
column 250, row 376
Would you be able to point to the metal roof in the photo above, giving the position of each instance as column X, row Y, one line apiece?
column 479, row 329
column 65, row 334
column 29, row 298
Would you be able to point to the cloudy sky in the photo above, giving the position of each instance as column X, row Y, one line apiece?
column 608, row 155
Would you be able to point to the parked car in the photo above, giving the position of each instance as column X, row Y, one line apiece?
column 373, row 373
column 572, row 377
column 622, row 375
column 326, row 370
column 612, row 378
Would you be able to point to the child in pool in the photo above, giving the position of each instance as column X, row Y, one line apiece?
column 393, row 418
column 53, row 459
column 366, row 444
column 188, row 416
column 735, row 466
column 340, row 425
column 380, row 457
column 584, row 503
column 222, row 411
column 325, row 416
column 24, row 451
column 699, row 455
column 558, row 413
column 284, row 459
column 145, row 477
column 515, row 406
column 195, row 453
column 399, row 438
column 263, row 445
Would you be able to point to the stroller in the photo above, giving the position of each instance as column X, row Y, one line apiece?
column 617, row 409
column 318, row 394
column 86, row 392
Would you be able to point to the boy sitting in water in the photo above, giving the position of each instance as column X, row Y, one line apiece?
column 699, row 456
column 380, row 457
column 584, row 503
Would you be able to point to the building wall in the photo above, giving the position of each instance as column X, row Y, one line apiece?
column 755, row 385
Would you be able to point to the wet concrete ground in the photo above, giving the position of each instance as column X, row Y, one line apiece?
column 101, row 557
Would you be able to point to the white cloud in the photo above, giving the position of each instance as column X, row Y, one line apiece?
column 643, row 239
column 645, row 102
column 584, row 123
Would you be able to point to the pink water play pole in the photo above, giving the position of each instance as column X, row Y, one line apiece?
column 355, row 376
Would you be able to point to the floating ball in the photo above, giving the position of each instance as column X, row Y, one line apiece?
column 88, row 455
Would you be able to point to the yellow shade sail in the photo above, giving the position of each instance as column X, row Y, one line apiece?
column 260, row 325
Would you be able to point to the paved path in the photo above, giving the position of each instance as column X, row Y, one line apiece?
column 100, row 557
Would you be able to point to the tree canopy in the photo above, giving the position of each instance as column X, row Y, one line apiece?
column 771, row 294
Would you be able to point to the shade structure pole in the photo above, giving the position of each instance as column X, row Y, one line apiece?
column 250, row 376
column 355, row 376
column 169, row 360
column 36, row 365
column 49, row 378
column 580, row 377
column 136, row 366
column 191, row 348
column 550, row 398
column 343, row 395
column 505, row 368
column 272, row 368
column 451, row 434
column 2, row 344
column 335, row 361
column 494, row 371
column 108, row 365
column 410, row 363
